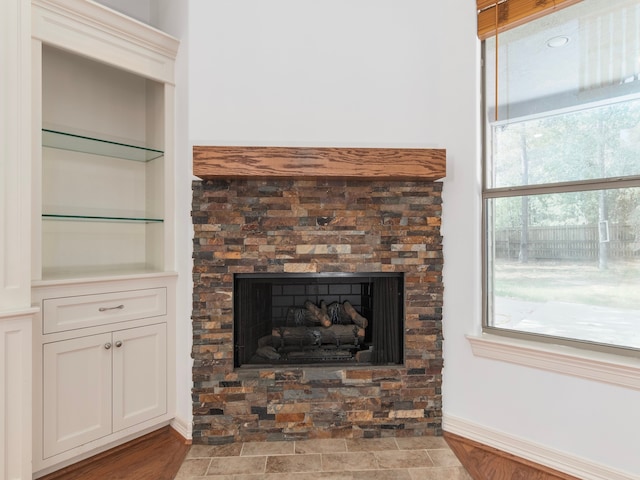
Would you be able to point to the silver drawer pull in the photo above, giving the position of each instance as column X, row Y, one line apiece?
column 118, row 344
column 107, row 346
column 104, row 309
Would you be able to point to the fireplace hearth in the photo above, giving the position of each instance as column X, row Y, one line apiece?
column 318, row 319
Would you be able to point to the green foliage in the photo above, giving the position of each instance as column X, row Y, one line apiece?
column 593, row 143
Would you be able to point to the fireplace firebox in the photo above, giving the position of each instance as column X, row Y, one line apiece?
column 328, row 318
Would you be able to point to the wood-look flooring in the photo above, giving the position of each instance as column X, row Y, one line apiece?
column 484, row 462
column 156, row 456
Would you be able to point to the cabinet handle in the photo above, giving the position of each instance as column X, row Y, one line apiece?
column 107, row 345
column 104, row 309
column 118, row 344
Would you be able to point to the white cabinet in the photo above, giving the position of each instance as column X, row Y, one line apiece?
column 76, row 392
column 102, row 372
column 139, row 375
column 102, row 230
column 99, row 384
column 15, row 395
column 70, row 313
column 16, row 314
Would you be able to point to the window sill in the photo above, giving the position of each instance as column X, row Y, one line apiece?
column 602, row 367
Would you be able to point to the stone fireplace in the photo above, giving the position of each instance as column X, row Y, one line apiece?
column 351, row 229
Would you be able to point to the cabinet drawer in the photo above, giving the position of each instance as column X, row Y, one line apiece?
column 70, row 313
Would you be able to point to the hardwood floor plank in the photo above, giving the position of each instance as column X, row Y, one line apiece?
column 484, row 462
column 157, row 456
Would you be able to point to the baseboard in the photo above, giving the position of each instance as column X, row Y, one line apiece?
column 183, row 428
column 533, row 452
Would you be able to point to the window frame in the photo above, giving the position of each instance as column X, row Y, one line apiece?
column 607, row 183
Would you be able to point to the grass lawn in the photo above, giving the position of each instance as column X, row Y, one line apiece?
column 618, row 286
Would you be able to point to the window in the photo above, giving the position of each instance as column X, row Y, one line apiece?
column 561, row 195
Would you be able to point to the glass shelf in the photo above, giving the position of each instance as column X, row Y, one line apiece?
column 90, row 218
column 79, row 143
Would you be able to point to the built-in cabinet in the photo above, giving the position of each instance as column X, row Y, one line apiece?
column 16, row 311
column 101, row 384
column 102, row 230
column 101, row 363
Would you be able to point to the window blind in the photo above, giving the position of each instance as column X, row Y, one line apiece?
column 511, row 13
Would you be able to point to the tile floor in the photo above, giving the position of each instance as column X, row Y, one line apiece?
column 421, row 458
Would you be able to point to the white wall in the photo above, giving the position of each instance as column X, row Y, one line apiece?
column 397, row 73
column 328, row 72
column 138, row 9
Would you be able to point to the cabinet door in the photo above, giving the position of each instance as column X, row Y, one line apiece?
column 139, row 375
column 76, row 392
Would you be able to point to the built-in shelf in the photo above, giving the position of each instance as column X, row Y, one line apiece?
column 96, row 146
column 90, row 218
column 65, row 275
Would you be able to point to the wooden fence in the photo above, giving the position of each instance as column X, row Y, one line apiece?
column 567, row 243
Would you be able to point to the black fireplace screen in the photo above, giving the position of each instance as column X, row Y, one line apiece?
column 318, row 318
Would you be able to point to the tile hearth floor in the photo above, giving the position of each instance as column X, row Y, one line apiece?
column 415, row 458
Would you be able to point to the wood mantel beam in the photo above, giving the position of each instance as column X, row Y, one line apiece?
column 210, row 162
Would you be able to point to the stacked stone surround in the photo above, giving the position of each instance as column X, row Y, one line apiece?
column 276, row 226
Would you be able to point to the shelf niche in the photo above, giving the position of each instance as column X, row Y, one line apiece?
column 102, row 205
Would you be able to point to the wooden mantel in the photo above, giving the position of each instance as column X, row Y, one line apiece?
column 211, row 162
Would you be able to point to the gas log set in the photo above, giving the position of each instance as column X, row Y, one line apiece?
column 316, row 333
column 291, row 319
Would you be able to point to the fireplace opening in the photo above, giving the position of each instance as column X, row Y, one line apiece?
column 329, row 318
